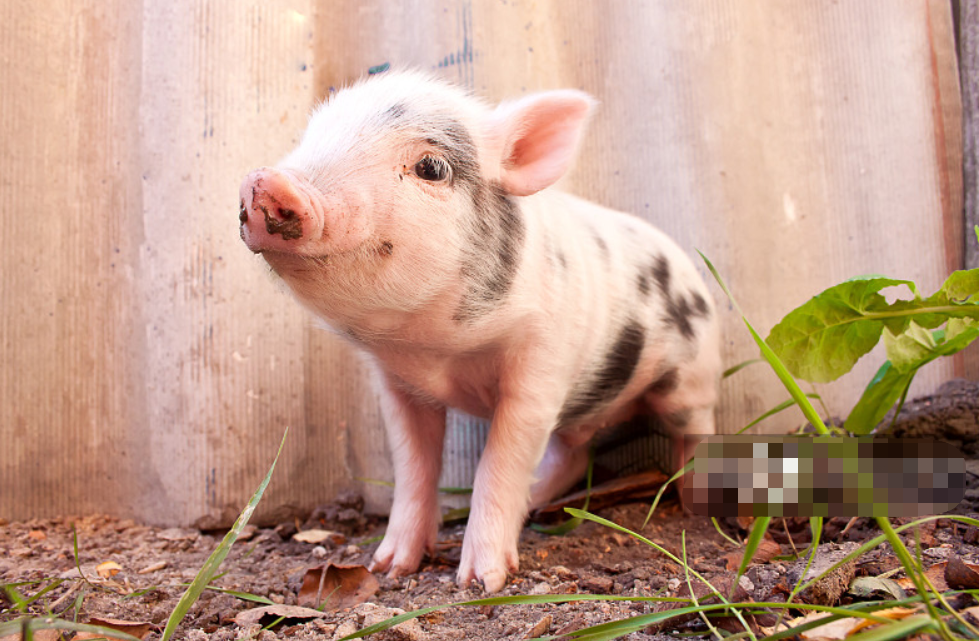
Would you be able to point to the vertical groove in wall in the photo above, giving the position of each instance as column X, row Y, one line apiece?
column 149, row 363
column 67, row 257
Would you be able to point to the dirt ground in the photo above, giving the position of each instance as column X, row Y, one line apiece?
column 150, row 564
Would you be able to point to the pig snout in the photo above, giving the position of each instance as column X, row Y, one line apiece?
column 278, row 211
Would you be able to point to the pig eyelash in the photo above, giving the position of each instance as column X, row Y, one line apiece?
column 432, row 169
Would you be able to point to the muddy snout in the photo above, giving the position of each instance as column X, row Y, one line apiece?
column 273, row 210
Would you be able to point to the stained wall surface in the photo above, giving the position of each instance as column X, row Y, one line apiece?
column 149, row 364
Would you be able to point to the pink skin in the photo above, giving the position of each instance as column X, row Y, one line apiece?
column 282, row 212
column 370, row 245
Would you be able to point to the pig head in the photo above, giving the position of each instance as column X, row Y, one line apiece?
column 421, row 224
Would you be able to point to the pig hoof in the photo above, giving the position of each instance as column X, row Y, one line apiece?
column 494, row 580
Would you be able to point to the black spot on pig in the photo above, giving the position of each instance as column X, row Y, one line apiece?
column 395, row 111
column 678, row 316
column 493, row 251
column 661, row 275
column 700, row 306
column 387, row 248
column 611, row 378
column 561, row 258
column 642, row 283
column 602, row 245
column 679, row 310
column 668, row 382
column 678, row 421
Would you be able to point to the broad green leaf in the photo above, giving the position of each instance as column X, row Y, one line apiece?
column 824, row 338
column 917, row 346
column 893, row 378
column 879, row 397
column 908, row 350
column 961, row 286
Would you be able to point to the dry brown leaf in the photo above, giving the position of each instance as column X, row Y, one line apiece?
column 894, row 614
column 337, row 586
column 138, row 629
column 766, row 551
column 935, row 574
column 540, row 628
column 108, row 569
column 838, row 629
column 961, row 576
column 265, row 615
column 319, row 536
column 159, row 565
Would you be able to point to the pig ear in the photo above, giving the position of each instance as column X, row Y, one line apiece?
column 540, row 135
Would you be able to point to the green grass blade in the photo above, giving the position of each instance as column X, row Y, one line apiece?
column 904, row 629
column 528, row 599
column 688, row 467
column 781, row 407
column 717, row 528
column 40, row 593
column 615, row 629
column 877, row 399
column 16, row 598
column 210, row 568
column 773, row 360
column 244, row 596
column 754, row 541
column 734, row 369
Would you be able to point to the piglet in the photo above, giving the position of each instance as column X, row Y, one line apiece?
column 419, row 223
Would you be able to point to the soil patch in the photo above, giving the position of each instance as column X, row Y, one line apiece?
column 153, row 564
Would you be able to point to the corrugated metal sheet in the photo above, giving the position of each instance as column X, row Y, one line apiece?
column 149, row 363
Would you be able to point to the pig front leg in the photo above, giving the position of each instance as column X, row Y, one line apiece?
column 416, row 432
column 501, row 490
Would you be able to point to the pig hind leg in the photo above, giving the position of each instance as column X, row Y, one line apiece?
column 563, row 465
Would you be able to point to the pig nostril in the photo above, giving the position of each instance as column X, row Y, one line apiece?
column 242, row 213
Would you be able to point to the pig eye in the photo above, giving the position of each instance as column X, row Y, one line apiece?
column 432, row 169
